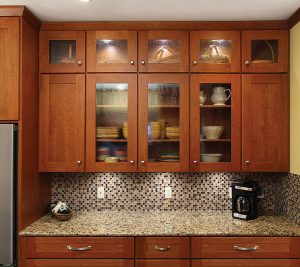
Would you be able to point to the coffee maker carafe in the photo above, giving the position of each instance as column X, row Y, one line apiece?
column 244, row 200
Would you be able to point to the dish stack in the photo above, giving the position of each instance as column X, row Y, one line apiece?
column 122, row 155
column 169, row 157
column 108, row 132
column 102, row 153
column 173, row 132
column 154, row 130
column 125, row 129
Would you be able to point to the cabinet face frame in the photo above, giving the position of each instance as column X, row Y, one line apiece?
column 47, row 36
column 280, row 35
column 92, row 165
column 183, row 164
column 195, row 117
column 93, row 36
column 196, row 36
column 249, row 103
column 182, row 36
column 9, row 83
column 78, row 80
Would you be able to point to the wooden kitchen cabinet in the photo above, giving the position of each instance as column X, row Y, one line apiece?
column 163, row 51
column 265, row 123
column 215, row 51
column 163, row 263
column 111, row 123
column 163, row 123
column 215, row 117
column 9, row 68
column 62, row 123
column 111, row 51
column 62, row 51
column 265, row 51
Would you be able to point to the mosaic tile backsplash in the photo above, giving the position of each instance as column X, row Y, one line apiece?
column 145, row 191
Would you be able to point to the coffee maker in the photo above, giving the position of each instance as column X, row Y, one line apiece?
column 244, row 200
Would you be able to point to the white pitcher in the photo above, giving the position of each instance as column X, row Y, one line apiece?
column 202, row 98
column 219, row 96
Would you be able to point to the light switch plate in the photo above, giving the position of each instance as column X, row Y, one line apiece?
column 168, row 192
column 100, row 192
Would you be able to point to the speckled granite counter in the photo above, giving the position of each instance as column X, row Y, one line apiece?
column 178, row 223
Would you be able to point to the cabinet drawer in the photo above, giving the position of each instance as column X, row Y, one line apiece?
column 79, row 263
column 162, row 247
column 79, row 247
column 162, row 263
column 248, row 263
column 243, row 247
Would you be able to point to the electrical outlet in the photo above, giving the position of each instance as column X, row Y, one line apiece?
column 230, row 192
column 168, row 192
column 100, row 192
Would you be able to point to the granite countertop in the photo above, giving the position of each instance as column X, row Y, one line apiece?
column 179, row 223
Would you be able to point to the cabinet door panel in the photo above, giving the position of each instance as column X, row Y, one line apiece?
column 215, row 123
column 62, row 51
column 62, row 124
column 112, row 51
column 9, row 68
column 111, row 119
column 265, row 123
column 163, row 51
column 163, row 122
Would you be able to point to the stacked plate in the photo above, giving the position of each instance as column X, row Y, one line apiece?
column 121, row 154
column 125, row 129
column 173, row 132
column 108, row 132
column 155, row 130
column 169, row 157
column 102, row 153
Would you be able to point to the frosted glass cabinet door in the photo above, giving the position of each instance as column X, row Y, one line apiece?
column 215, row 122
column 163, row 51
column 112, row 51
column 62, row 51
column 215, row 51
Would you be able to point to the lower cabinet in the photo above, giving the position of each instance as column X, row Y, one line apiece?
column 161, row 251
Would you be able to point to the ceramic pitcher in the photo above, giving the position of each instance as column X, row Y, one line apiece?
column 219, row 96
column 202, row 97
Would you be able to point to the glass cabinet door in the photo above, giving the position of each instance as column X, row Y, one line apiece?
column 215, row 127
column 111, row 122
column 215, row 51
column 112, row 51
column 265, row 51
column 161, row 51
column 163, row 123
column 62, row 51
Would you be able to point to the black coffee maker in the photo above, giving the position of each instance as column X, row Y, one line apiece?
column 244, row 200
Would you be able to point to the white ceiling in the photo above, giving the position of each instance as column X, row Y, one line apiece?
column 159, row 10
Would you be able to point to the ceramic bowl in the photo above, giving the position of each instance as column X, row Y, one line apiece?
column 212, row 132
column 111, row 159
column 210, row 157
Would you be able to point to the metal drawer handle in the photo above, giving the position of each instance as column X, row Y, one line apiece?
column 162, row 249
column 79, row 249
column 245, row 249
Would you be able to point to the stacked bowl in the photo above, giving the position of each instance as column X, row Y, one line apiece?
column 154, row 130
column 173, row 132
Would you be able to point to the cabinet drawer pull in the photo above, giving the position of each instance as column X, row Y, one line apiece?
column 79, row 249
column 162, row 249
column 245, row 249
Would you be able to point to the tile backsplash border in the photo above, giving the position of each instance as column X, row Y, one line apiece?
column 145, row 191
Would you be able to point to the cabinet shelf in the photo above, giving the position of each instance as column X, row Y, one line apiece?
column 215, row 140
column 112, row 140
column 163, row 140
column 215, row 106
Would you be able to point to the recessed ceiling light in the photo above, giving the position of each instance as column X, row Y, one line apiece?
column 85, row 1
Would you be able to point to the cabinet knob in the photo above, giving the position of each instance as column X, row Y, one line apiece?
column 78, row 162
column 247, row 62
column 247, row 161
column 143, row 62
column 195, row 62
column 79, row 62
column 195, row 161
column 131, row 162
column 131, row 62
column 142, row 162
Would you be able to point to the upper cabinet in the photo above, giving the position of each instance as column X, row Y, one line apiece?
column 163, row 51
column 215, row 51
column 265, row 123
column 163, row 123
column 9, row 68
column 111, row 51
column 265, row 51
column 62, row 51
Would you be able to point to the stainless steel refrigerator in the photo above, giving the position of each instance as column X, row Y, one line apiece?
column 8, row 194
